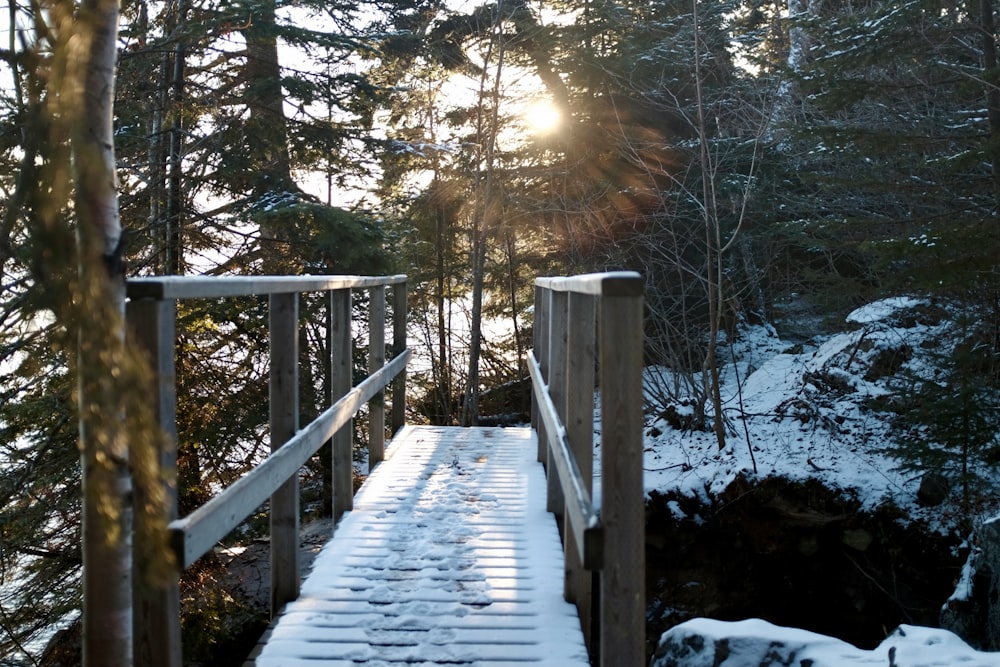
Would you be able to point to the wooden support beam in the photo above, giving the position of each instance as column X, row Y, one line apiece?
column 580, row 375
column 376, row 359
column 557, row 318
column 284, row 400
column 622, row 495
column 343, row 369
column 541, row 352
column 399, row 319
column 156, row 612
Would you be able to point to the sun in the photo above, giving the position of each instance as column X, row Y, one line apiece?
column 542, row 117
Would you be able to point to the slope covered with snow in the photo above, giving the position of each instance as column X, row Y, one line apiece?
column 816, row 411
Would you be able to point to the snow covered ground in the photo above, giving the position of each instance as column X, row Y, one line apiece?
column 803, row 411
column 808, row 411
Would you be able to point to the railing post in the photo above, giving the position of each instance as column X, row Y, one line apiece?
column 556, row 378
column 284, row 399
column 622, row 506
column 376, row 359
column 342, row 371
column 580, row 354
column 541, row 349
column 398, row 346
column 156, row 611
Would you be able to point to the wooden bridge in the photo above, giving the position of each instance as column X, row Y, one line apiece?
column 465, row 546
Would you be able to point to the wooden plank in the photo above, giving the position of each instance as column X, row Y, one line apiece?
column 376, row 359
column 284, row 416
column 399, row 319
column 541, row 353
column 421, row 592
column 556, row 378
column 536, row 344
column 157, row 604
column 343, row 368
column 584, row 524
column 342, row 616
column 613, row 283
column 435, row 651
column 198, row 532
column 404, row 634
column 579, row 421
column 622, row 504
column 213, row 287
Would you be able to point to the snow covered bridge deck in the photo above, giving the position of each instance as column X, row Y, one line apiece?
column 448, row 557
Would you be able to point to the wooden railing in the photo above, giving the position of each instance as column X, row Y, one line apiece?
column 580, row 322
column 152, row 314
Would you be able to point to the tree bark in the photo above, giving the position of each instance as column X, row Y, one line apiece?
column 267, row 129
column 175, row 194
column 107, row 485
column 991, row 76
column 713, row 260
column 270, row 171
column 483, row 220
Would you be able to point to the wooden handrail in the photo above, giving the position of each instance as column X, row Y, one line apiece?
column 582, row 517
column 571, row 314
column 152, row 313
column 214, row 287
column 194, row 535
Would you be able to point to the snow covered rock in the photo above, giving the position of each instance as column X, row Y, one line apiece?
column 969, row 612
column 755, row 643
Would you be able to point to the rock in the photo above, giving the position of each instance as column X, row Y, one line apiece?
column 755, row 643
column 971, row 612
column 857, row 538
column 934, row 488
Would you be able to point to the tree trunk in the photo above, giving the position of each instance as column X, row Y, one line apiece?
column 175, row 196
column 267, row 129
column 511, row 246
column 107, row 512
column 441, row 303
column 991, row 77
column 713, row 259
column 483, row 220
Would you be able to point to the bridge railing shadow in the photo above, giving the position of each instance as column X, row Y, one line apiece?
column 152, row 312
column 589, row 328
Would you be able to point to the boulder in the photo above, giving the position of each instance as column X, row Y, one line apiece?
column 703, row 642
column 934, row 488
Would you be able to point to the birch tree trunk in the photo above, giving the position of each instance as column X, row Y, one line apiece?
column 107, row 511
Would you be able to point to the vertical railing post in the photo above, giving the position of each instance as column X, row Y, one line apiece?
column 156, row 610
column 376, row 359
column 398, row 347
column 580, row 355
column 284, row 399
column 342, row 369
column 556, row 378
column 622, row 504
column 541, row 342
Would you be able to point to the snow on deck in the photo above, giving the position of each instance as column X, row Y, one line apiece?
column 448, row 557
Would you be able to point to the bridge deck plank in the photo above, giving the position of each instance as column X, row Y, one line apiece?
column 448, row 557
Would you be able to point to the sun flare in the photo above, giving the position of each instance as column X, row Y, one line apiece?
column 542, row 117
